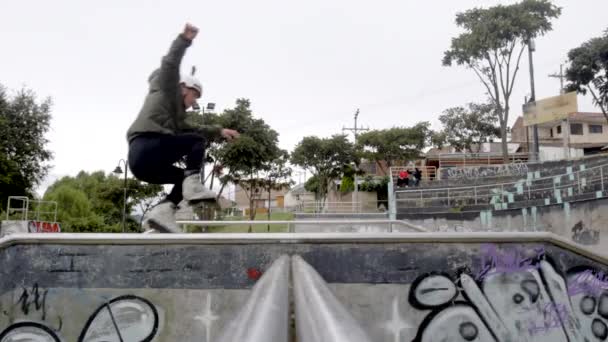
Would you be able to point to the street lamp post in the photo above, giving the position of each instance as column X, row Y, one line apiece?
column 118, row 170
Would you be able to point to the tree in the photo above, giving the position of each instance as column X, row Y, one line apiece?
column 325, row 159
column 394, row 144
column 492, row 45
column 588, row 71
column 471, row 126
column 243, row 161
column 248, row 157
column 24, row 122
column 93, row 202
column 278, row 176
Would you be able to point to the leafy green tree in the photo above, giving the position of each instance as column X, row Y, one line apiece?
column 492, row 45
column 277, row 176
column 24, row 121
column 94, row 202
column 588, row 71
column 325, row 159
column 465, row 128
column 312, row 185
column 394, row 144
column 246, row 159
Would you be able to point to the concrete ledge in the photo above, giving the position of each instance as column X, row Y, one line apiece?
column 294, row 238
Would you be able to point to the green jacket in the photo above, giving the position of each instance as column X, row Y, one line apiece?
column 164, row 110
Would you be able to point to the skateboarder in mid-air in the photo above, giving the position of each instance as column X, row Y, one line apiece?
column 160, row 137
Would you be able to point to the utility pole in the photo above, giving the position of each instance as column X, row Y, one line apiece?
column 355, row 130
column 561, row 77
column 531, row 49
column 564, row 123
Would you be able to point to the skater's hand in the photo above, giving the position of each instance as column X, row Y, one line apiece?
column 190, row 31
column 230, row 134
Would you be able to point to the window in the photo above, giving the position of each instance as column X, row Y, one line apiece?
column 551, row 132
column 559, row 129
column 576, row 129
column 596, row 129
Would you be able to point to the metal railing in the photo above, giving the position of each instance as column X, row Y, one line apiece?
column 26, row 208
column 568, row 185
column 482, row 158
column 341, row 207
column 291, row 224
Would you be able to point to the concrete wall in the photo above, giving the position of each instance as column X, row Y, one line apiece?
column 548, row 153
column 406, row 291
column 583, row 222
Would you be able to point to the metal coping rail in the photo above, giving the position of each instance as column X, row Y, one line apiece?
column 265, row 315
column 319, row 314
column 295, row 238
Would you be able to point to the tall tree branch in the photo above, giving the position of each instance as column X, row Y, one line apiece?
column 478, row 73
column 516, row 68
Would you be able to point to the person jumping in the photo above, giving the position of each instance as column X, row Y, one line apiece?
column 160, row 136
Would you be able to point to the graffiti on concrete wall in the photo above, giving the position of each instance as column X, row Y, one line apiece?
column 528, row 302
column 515, row 293
column 43, row 227
column 485, row 171
column 28, row 331
column 124, row 318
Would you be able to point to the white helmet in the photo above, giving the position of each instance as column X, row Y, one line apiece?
column 192, row 82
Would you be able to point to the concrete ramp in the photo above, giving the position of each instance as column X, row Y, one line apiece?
column 365, row 287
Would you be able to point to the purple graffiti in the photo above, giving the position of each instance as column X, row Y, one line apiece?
column 588, row 283
column 553, row 316
column 508, row 260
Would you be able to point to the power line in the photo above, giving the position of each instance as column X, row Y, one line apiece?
column 356, row 129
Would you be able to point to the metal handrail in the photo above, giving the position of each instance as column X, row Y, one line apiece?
column 306, row 222
column 25, row 209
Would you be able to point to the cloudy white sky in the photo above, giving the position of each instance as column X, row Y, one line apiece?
column 306, row 66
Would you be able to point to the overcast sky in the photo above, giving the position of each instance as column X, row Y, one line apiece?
column 306, row 66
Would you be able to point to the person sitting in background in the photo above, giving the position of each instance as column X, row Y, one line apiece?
column 403, row 180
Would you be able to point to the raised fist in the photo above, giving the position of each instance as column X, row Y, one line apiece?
column 190, row 31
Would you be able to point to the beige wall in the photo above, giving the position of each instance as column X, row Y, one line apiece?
column 292, row 200
column 242, row 200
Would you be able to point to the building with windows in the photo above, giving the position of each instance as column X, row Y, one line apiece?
column 581, row 134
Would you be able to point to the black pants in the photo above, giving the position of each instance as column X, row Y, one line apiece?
column 151, row 159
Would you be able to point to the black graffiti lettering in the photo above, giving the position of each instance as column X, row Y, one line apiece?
column 39, row 300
